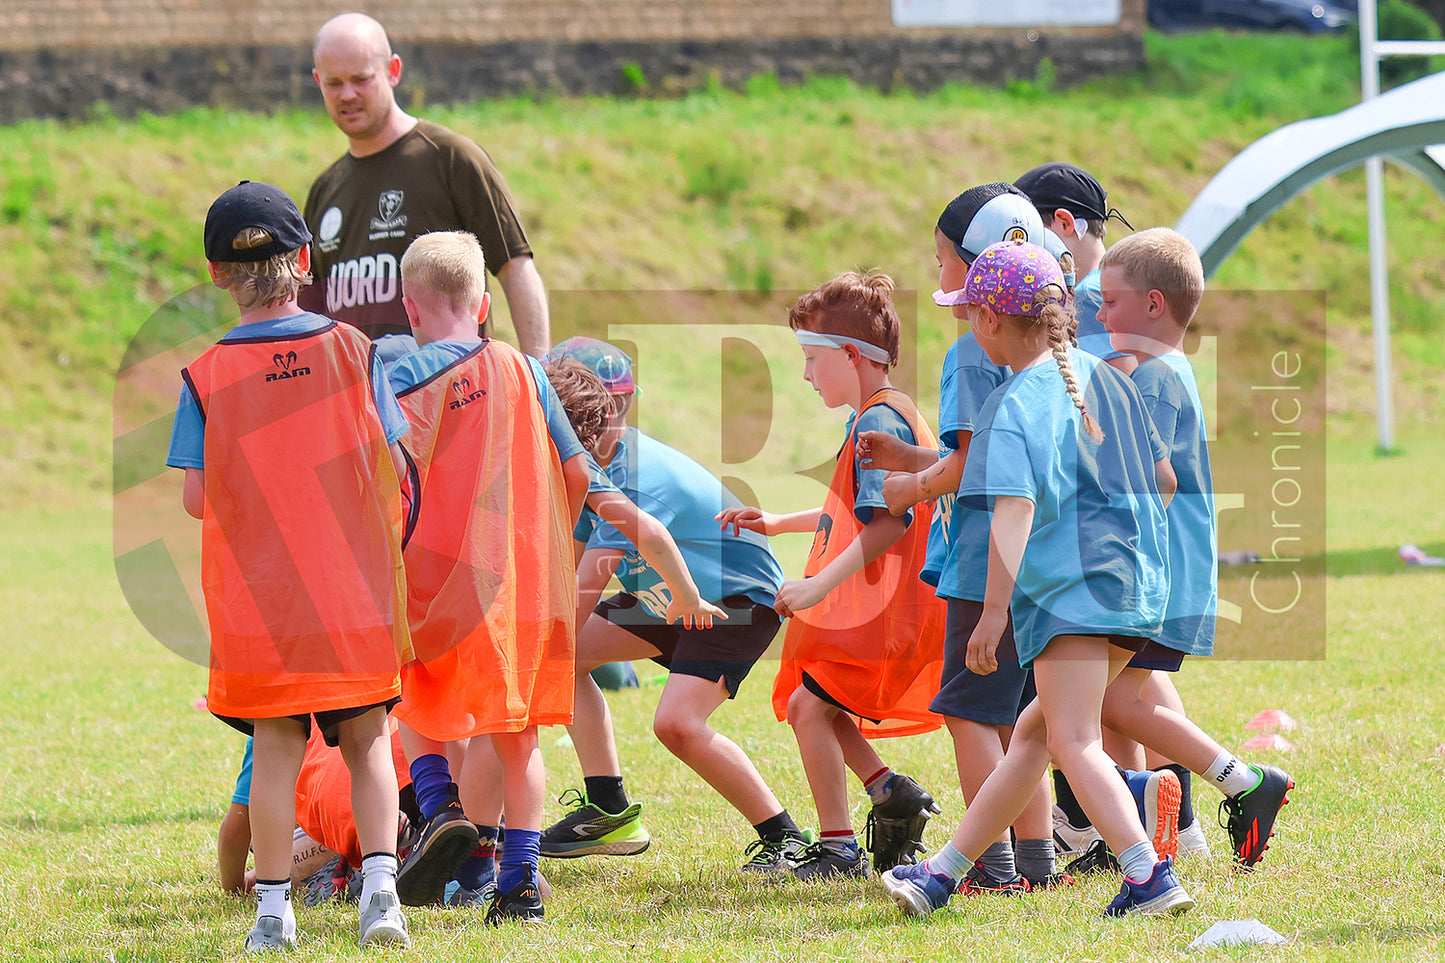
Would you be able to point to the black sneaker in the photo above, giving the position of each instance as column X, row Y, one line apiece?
column 522, row 903
column 1250, row 816
column 980, row 882
column 589, row 831
column 1051, row 881
column 824, row 861
column 445, row 842
column 893, row 833
column 776, row 855
column 1096, row 859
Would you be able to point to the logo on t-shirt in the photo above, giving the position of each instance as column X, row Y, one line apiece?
column 287, row 363
column 464, row 393
column 390, row 223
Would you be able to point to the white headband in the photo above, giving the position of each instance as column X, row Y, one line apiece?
column 819, row 340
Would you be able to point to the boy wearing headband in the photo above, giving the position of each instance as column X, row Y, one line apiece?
column 864, row 649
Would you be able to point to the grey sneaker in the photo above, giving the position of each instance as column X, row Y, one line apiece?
column 382, row 922
column 822, row 861
column 270, row 934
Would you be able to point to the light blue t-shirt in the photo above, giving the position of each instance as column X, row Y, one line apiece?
column 188, row 434
column 1093, row 336
column 1097, row 556
column 431, row 359
column 686, row 498
column 868, row 482
column 957, row 559
column 1171, row 396
column 241, row 795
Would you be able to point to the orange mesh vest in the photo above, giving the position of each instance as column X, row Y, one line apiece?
column 491, row 590
column 323, row 794
column 301, row 534
column 875, row 643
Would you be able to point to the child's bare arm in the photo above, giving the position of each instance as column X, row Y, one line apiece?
column 193, row 495
column 594, row 568
column 657, row 546
column 1167, row 480
column 233, row 844
column 1013, row 519
column 768, row 523
column 902, row 490
column 878, row 449
column 575, row 479
column 877, row 537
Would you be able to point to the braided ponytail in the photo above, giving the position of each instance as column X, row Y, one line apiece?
column 1060, row 324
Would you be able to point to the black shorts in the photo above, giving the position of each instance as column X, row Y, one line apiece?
column 1157, row 658
column 816, row 687
column 727, row 651
column 328, row 722
column 996, row 699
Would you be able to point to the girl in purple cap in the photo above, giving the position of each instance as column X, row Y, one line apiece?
column 1068, row 461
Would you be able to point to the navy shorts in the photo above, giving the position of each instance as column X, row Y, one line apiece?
column 995, row 699
column 328, row 722
column 1157, row 658
column 727, row 651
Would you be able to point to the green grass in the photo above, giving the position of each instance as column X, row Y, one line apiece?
column 113, row 784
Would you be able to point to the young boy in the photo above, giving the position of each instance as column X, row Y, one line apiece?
column 287, row 432
column 866, row 637
column 490, row 592
column 736, row 580
column 1076, row 209
column 1151, row 285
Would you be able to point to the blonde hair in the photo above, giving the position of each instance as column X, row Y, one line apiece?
column 450, row 263
column 255, row 284
column 585, row 398
column 1161, row 259
column 855, row 305
column 1056, row 317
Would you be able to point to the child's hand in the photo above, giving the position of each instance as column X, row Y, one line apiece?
column 982, row 655
column 901, row 491
column 878, row 449
column 753, row 519
column 695, row 614
column 796, row 595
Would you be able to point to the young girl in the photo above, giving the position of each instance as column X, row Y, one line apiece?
column 1077, row 550
column 865, row 644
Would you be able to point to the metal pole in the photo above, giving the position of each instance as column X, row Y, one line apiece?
column 1375, row 216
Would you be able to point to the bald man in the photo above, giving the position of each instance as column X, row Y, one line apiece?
column 399, row 178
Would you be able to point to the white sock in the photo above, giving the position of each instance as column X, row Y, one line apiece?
column 274, row 899
column 949, row 862
column 378, row 875
column 1138, row 861
column 1231, row 775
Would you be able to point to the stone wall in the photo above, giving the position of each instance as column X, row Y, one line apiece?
column 60, row 57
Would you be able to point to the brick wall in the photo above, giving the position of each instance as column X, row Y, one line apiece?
column 57, row 57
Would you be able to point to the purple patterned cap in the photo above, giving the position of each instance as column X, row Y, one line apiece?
column 607, row 361
column 1008, row 275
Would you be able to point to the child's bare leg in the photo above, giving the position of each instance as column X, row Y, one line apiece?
column 365, row 746
column 1123, row 750
column 278, row 750
column 480, row 782
column 681, row 724
column 1159, row 690
column 858, row 753
column 1008, row 789
column 524, row 783
column 812, row 722
column 233, row 848
column 1162, row 729
column 1072, row 674
column 598, row 643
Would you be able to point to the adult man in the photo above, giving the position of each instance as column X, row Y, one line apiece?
column 402, row 177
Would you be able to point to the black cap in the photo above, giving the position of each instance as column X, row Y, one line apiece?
column 988, row 213
column 253, row 204
column 1060, row 184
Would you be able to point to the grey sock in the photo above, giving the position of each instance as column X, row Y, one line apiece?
column 1034, row 857
column 998, row 859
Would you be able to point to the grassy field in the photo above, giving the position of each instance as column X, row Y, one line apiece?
column 114, row 784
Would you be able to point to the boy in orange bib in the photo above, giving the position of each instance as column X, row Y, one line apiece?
column 491, row 592
column 287, row 432
column 864, row 648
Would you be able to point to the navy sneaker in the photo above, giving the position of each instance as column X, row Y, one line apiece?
column 445, row 842
column 1250, row 816
column 522, row 903
column 1158, row 794
column 980, row 882
column 1161, row 893
column 917, row 891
